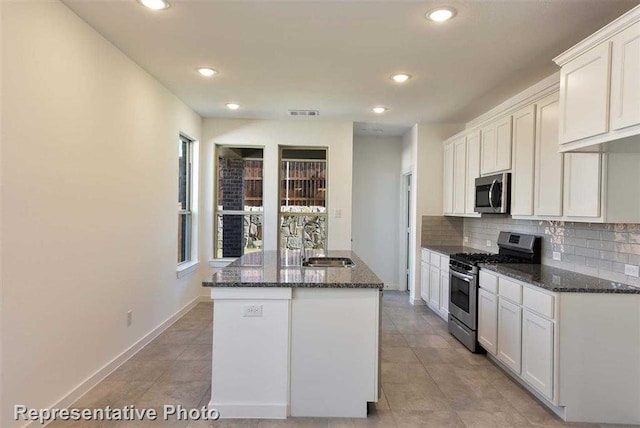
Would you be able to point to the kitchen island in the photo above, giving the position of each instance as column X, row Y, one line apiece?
column 294, row 341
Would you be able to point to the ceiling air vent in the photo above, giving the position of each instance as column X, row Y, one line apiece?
column 307, row 113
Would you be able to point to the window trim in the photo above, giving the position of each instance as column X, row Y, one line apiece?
column 191, row 263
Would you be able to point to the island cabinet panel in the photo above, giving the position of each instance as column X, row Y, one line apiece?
column 334, row 351
column 584, row 85
column 251, row 376
column 625, row 78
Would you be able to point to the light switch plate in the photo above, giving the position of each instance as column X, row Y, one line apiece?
column 338, row 213
column 488, row 242
column 557, row 256
column 465, row 239
column 632, row 270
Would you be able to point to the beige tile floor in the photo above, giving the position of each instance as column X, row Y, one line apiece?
column 428, row 379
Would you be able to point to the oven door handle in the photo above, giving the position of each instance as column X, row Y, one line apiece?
column 461, row 275
column 493, row 184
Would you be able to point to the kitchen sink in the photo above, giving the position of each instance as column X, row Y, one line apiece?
column 328, row 262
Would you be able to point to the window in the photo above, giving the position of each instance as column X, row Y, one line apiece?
column 185, row 199
column 239, row 205
column 303, row 198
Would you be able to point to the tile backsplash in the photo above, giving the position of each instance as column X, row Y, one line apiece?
column 600, row 250
column 441, row 230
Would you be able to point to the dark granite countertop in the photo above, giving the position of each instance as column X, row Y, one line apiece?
column 282, row 269
column 560, row 280
column 448, row 250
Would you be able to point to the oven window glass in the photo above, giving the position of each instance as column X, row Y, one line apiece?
column 459, row 293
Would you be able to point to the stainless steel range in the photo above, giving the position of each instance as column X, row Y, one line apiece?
column 463, row 288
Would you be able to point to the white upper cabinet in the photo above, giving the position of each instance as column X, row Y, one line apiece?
column 625, row 78
column 473, row 170
column 584, row 85
column 548, row 161
column 447, row 191
column 522, row 179
column 503, row 144
column 495, row 143
column 459, row 175
column 600, row 86
column 582, row 184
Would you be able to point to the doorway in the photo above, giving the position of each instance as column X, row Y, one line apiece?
column 406, row 228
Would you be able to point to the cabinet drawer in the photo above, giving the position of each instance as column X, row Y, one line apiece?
column 435, row 260
column 425, row 255
column 489, row 282
column 539, row 302
column 510, row 290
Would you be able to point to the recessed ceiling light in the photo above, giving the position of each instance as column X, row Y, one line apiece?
column 207, row 72
column 155, row 4
column 441, row 14
column 400, row 77
column 233, row 106
column 380, row 110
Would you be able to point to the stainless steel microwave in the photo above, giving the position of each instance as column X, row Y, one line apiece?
column 493, row 194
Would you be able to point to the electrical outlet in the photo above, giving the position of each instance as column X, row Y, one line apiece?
column 129, row 318
column 252, row 311
column 338, row 214
column 488, row 242
column 465, row 239
column 632, row 270
column 557, row 256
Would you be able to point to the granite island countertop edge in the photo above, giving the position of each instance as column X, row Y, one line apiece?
column 272, row 269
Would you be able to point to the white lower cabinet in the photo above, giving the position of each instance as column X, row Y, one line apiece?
column 537, row 352
column 488, row 321
column 510, row 334
column 444, row 293
column 517, row 324
column 434, row 287
column 424, row 281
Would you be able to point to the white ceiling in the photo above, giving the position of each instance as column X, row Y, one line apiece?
column 337, row 56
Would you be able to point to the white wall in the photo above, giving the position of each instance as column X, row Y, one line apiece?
column 377, row 204
column 427, row 158
column 1, row 192
column 89, row 185
column 336, row 135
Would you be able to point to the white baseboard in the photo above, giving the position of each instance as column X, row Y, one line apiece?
column 250, row 411
column 91, row 381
